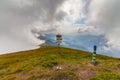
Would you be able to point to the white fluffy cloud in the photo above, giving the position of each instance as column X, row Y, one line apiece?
column 64, row 22
column 105, row 14
column 17, row 19
column 22, row 21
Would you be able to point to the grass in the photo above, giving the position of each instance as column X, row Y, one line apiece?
column 40, row 64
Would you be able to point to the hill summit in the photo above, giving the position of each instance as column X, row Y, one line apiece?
column 40, row 64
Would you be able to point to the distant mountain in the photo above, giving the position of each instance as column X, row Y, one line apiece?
column 66, row 42
column 48, row 41
column 82, row 42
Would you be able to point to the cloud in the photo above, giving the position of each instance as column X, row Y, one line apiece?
column 18, row 19
column 63, row 21
column 23, row 21
column 105, row 15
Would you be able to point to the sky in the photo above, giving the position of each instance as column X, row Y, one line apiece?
column 83, row 24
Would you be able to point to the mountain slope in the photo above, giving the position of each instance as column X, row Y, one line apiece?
column 40, row 64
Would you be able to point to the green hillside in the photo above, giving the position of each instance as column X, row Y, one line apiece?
column 40, row 64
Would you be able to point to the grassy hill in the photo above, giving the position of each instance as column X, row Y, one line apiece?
column 40, row 64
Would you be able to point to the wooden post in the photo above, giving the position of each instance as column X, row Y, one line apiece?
column 59, row 41
column 59, row 55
